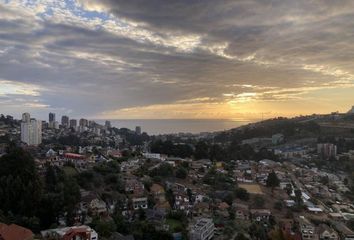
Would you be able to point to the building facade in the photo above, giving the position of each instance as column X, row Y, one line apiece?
column 202, row 230
column 31, row 130
column 65, row 121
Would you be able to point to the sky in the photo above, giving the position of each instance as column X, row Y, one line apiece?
column 147, row 59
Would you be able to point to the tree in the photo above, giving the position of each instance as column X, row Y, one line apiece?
column 181, row 172
column 258, row 231
column 298, row 197
column 259, row 201
column 242, row 194
column 170, row 197
column 350, row 224
column 272, row 180
column 240, row 236
column 201, row 150
column 278, row 205
column 20, row 185
column 71, row 199
column 104, row 228
column 164, row 170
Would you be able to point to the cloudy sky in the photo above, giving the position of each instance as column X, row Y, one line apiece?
column 235, row 59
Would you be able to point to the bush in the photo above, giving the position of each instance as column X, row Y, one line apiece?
column 181, row 172
column 242, row 194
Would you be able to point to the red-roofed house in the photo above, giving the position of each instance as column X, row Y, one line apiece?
column 14, row 232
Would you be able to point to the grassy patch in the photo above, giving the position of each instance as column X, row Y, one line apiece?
column 70, row 171
column 174, row 224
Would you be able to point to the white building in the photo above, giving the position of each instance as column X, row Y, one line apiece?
column 140, row 202
column 75, row 232
column 31, row 130
column 202, row 230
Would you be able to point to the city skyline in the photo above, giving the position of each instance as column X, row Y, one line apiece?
column 182, row 59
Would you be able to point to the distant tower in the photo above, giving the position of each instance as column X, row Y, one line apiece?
column 51, row 117
column 26, row 117
column 83, row 122
column 65, row 121
column 107, row 124
column 31, row 130
column 73, row 123
column 51, row 120
column 138, row 130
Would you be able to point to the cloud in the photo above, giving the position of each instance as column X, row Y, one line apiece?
column 15, row 88
column 100, row 58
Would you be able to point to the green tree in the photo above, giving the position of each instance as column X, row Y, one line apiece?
column 20, row 185
column 298, row 197
column 272, row 180
column 258, row 201
column 240, row 236
column 181, row 172
column 278, row 205
column 201, row 150
column 170, row 197
column 104, row 228
column 242, row 194
column 71, row 199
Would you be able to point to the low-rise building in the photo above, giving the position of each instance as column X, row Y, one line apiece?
column 307, row 229
column 68, row 233
column 327, row 233
column 260, row 214
column 202, row 230
column 140, row 202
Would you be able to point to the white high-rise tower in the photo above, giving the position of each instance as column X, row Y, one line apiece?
column 31, row 130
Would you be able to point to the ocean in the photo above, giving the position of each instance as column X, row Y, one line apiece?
column 168, row 126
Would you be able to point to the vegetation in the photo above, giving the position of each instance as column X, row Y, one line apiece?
column 31, row 201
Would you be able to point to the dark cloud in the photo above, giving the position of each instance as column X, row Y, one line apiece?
column 161, row 52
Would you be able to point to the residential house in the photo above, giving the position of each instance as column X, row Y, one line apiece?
column 242, row 211
column 182, row 201
column 133, row 186
column 15, row 232
column 344, row 232
column 260, row 214
column 307, row 229
column 140, row 202
column 327, row 233
column 158, row 192
column 201, row 209
column 68, row 233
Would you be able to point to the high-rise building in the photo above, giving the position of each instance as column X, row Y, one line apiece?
column 26, row 117
column 138, row 130
column 73, row 123
column 65, row 121
column 31, row 131
column 51, row 117
column 92, row 124
column 83, row 122
column 107, row 124
column 51, row 120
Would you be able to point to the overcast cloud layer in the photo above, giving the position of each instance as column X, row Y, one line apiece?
column 176, row 58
